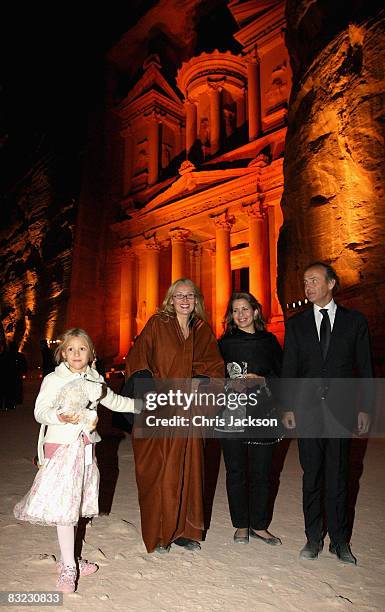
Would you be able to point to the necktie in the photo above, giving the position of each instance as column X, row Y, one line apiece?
column 325, row 332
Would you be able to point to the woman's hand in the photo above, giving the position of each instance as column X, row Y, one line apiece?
column 253, row 379
column 252, row 375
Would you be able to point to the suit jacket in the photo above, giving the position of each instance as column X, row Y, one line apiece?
column 327, row 394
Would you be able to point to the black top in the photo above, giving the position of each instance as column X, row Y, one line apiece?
column 261, row 352
column 258, row 353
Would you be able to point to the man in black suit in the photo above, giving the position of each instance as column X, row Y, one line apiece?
column 326, row 346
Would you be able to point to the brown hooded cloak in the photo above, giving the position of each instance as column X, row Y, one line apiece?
column 169, row 470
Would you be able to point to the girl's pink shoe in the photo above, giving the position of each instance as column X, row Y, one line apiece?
column 66, row 583
column 86, row 568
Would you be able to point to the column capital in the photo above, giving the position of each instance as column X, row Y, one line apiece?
column 125, row 244
column 210, row 250
column 179, row 234
column 196, row 251
column 154, row 116
column 190, row 102
column 215, row 87
column 253, row 57
column 151, row 243
column 223, row 221
column 123, row 251
column 255, row 211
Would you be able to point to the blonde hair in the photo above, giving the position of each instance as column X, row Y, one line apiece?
column 74, row 332
column 167, row 307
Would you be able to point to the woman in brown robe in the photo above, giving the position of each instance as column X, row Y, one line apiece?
column 176, row 343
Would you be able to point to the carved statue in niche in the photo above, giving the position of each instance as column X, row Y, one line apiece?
column 166, row 154
column 229, row 118
column 278, row 92
column 141, row 156
column 204, row 135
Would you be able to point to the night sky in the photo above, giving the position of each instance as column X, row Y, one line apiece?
column 53, row 73
column 53, row 76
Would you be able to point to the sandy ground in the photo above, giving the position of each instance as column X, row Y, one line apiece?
column 222, row 576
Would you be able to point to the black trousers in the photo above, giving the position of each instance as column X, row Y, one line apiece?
column 248, row 469
column 325, row 464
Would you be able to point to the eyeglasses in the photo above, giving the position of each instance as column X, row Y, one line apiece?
column 181, row 296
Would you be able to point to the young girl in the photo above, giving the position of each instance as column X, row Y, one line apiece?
column 67, row 484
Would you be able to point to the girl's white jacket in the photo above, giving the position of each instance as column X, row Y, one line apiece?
column 46, row 406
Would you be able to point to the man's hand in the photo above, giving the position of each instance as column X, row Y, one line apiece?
column 288, row 420
column 363, row 423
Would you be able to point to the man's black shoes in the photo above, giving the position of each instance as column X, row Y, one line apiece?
column 311, row 550
column 343, row 553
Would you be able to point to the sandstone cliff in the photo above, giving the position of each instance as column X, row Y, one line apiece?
column 333, row 200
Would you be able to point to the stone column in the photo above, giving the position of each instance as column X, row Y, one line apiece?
column 195, row 264
column 259, row 269
column 178, row 257
column 223, row 224
column 126, row 332
column 241, row 103
column 215, row 117
column 141, row 314
column 126, row 135
column 153, row 150
column 152, row 275
column 274, row 221
column 179, row 138
column 191, row 124
column 254, row 96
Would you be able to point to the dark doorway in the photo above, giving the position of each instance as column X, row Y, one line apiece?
column 240, row 279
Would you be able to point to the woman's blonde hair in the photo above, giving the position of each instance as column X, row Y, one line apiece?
column 74, row 332
column 167, row 307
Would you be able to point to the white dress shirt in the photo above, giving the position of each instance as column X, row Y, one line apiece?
column 331, row 308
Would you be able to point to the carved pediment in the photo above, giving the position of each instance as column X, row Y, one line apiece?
column 152, row 80
column 243, row 12
column 193, row 182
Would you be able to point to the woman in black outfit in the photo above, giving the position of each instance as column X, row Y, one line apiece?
column 249, row 352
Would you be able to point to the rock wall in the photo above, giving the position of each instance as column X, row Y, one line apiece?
column 333, row 201
column 87, row 302
column 36, row 240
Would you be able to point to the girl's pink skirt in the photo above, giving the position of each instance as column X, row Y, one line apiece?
column 64, row 488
